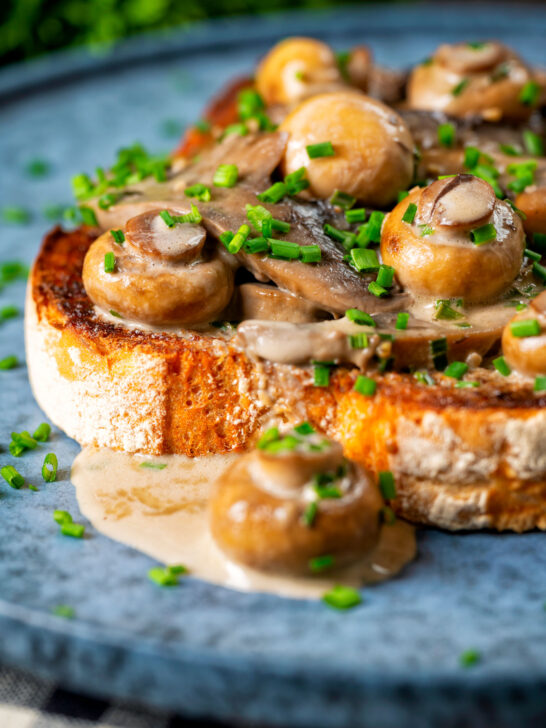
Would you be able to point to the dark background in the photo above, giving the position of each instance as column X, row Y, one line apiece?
column 33, row 27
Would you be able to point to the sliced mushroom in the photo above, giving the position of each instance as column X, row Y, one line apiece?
column 269, row 303
column 527, row 354
column 457, row 202
column 372, row 147
column 164, row 283
column 259, row 508
column 442, row 261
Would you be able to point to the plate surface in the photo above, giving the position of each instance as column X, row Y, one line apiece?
column 205, row 650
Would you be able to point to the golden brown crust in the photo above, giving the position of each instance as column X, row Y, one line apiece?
column 463, row 458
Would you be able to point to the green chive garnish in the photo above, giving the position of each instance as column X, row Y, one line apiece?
column 365, row 385
column 402, row 320
column 8, row 312
column 269, row 436
column 321, row 563
column 385, row 276
column 539, row 270
column 12, row 477
column 323, row 149
column 371, row 231
column 388, row 516
column 199, row 191
column 62, row 610
column 118, row 236
column 501, row 366
column 88, row 216
column 109, row 262
column 365, row 260
column 402, row 195
column 387, row 485
column 61, row 517
column 343, row 200
column 409, row 215
column 309, row 514
column 153, row 466
column 168, row 575
column 284, row 249
column 466, row 385
column 529, row 93
column 376, row 290
column 8, row 362
column 236, row 243
column 446, row 134
column 469, row 658
column 460, row 87
column 358, row 341
column 304, row 428
column 456, row 370
column 533, row 143
column 356, row 215
column 226, row 175
column 74, row 530
column 321, row 376
column 273, row 194
column 38, row 168
column 310, row 253
column 540, row 384
column 524, row 328
column 42, row 432
column 359, row 317
column 483, row 234
column 342, row 597
column 49, row 468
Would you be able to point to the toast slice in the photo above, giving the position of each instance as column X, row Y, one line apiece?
column 462, row 458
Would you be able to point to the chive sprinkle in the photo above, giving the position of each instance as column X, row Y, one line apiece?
column 49, row 468
column 319, row 564
column 524, row 328
column 359, row 317
column 540, row 384
column 460, row 87
column 469, row 658
column 358, row 341
column 456, row 370
column 365, row 385
column 268, row 437
column 199, row 191
column 74, row 530
column 539, row 270
column 342, row 597
column 118, row 236
column 109, row 262
column 483, row 234
column 388, row 516
column 529, row 93
column 62, row 610
column 273, row 194
column 402, row 320
column 226, row 175
column 533, row 143
column 42, row 432
column 387, row 485
column 323, row 149
column 12, row 477
column 377, row 290
column 309, row 514
column 310, row 253
column 321, row 376
column 501, row 366
column 8, row 362
column 402, row 195
column 385, row 276
column 61, row 517
column 168, row 575
column 153, row 466
column 409, row 215
column 15, row 214
column 355, row 215
column 8, row 312
column 284, row 249
column 343, row 200
column 466, row 385
column 236, row 243
column 364, row 260
column 446, row 134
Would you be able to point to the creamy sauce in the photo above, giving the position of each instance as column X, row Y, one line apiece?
column 163, row 513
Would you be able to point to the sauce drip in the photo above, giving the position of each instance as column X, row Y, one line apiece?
column 163, row 513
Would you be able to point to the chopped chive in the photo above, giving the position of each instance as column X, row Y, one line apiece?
column 249, row 103
column 356, row 215
column 409, row 215
column 533, row 143
column 203, row 125
column 115, row 313
column 323, row 149
column 8, row 312
column 402, row 320
column 8, row 362
column 476, row 45
column 273, row 194
column 387, row 485
column 238, row 240
column 166, row 576
column 226, row 237
column 501, row 366
column 12, row 477
column 15, row 214
column 167, row 218
column 376, row 290
column 359, row 317
column 532, row 255
column 226, row 175
column 37, row 167
column 22, row 441
column 385, row 276
column 321, row 563
column 199, row 191
column 456, row 370
column 471, row 157
column 525, row 327
column 345, row 237
column 424, row 378
column 460, row 87
column 371, row 231
column 296, row 181
column 309, row 514
column 109, row 262
column 365, row 260
column 466, row 385
column 342, row 199
column 61, row 517
column 153, row 466
column 258, row 245
column 310, row 253
column 286, row 443
column 540, row 384
column 444, row 311
column 365, row 385
column 342, row 597
column 192, row 217
column 239, row 128
column 321, row 376
column 358, row 341
column 74, row 530
column 483, row 234
column 42, row 432
column 469, row 658
column 62, row 610
column 446, row 134
column 426, row 230
column 106, row 201
column 269, row 436
column 304, row 428
column 539, row 270
column 49, row 468
column 284, row 249
column 438, row 351
column 509, row 149
column 529, row 93
column 402, row 195
column 280, row 226
column 88, row 216
column 118, row 236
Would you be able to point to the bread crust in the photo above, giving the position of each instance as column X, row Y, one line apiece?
column 462, row 458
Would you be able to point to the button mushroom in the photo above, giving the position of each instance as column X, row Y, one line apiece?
column 533, row 204
column 372, row 148
column 297, row 68
column 463, row 79
column 454, row 239
column 293, row 500
column 527, row 353
column 158, row 275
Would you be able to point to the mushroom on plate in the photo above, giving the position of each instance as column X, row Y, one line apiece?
column 485, row 79
column 454, row 239
column 347, row 141
column 292, row 500
column 157, row 270
column 524, row 339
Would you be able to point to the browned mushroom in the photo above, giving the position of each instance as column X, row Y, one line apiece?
column 485, row 79
column 428, row 239
column 160, row 275
column 292, row 500
column 372, row 148
column 527, row 353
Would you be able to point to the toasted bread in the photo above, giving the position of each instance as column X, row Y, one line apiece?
column 462, row 458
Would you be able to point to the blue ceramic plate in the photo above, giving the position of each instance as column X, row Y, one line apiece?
column 204, row 650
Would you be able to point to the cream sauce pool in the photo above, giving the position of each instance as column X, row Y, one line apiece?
column 158, row 505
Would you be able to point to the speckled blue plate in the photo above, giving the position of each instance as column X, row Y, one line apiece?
column 200, row 649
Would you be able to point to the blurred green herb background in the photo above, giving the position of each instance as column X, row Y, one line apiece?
column 33, row 27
